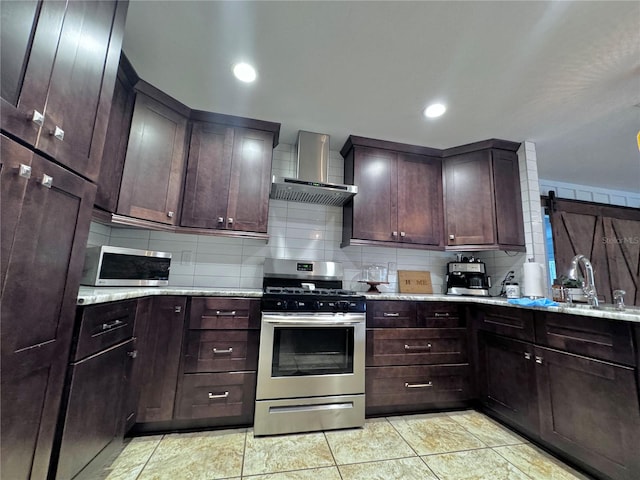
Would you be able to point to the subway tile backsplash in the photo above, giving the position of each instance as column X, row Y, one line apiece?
column 296, row 230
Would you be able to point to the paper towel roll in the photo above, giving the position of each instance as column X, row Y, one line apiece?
column 533, row 280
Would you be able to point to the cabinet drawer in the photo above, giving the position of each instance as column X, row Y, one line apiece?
column 439, row 315
column 593, row 337
column 416, row 346
column 391, row 314
column 221, row 350
column 221, row 313
column 215, row 395
column 417, row 386
column 102, row 326
column 507, row 321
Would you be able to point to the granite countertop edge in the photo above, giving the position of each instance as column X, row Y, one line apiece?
column 95, row 295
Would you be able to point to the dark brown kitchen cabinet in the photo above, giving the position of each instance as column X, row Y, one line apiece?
column 117, row 137
column 218, row 382
column 154, row 165
column 482, row 201
column 56, row 92
column 506, row 380
column 399, row 196
column 45, row 212
column 228, row 178
column 589, row 410
column 92, row 425
column 160, row 355
column 416, row 357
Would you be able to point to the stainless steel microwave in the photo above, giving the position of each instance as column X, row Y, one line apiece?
column 107, row 266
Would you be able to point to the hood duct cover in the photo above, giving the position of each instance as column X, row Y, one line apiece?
column 311, row 186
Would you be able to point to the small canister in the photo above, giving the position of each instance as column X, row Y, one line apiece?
column 512, row 290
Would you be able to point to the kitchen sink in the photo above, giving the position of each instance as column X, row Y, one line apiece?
column 607, row 307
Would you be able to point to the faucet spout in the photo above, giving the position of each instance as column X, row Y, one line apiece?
column 589, row 283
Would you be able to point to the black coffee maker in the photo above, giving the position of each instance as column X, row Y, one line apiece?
column 467, row 277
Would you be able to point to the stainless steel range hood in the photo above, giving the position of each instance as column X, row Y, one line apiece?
column 311, row 185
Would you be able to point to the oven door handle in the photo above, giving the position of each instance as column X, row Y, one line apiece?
column 312, row 322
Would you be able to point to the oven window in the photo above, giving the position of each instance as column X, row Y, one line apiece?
column 312, row 351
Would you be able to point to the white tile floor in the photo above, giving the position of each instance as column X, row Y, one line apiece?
column 445, row 446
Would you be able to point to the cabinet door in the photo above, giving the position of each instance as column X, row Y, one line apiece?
column 589, row 410
column 506, row 380
column 469, row 209
column 81, row 84
column 375, row 209
column 250, row 181
column 115, row 147
column 44, row 234
column 208, row 177
column 506, row 180
column 29, row 35
column 420, row 216
column 93, row 416
column 154, row 165
column 160, row 357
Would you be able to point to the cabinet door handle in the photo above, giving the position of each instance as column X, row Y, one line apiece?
column 220, row 395
column 111, row 325
column 37, row 118
column 46, row 181
column 441, row 314
column 24, row 171
column 452, row 237
column 133, row 353
column 220, row 219
column 387, row 314
column 58, row 133
column 538, row 359
column 230, row 221
column 418, row 347
column 418, row 385
column 402, row 234
column 225, row 313
column 177, row 309
column 394, row 234
column 170, row 214
column 228, row 350
column 527, row 356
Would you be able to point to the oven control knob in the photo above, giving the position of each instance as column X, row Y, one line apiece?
column 290, row 305
column 343, row 306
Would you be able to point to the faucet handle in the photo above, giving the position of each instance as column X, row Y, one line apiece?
column 618, row 296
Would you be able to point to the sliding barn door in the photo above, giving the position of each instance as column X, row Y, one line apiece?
column 609, row 236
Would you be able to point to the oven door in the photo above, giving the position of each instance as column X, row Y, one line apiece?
column 311, row 355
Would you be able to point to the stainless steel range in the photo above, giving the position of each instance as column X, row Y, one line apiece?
column 312, row 349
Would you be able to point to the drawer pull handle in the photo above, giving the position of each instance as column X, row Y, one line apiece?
column 227, row 313
column 527, row 356
column 228, row 350
column 418, row 347
column 111, row 325
column 386, row 314
column 539, row 359
column 441, row 314
column 220, row 395
column 418, row 385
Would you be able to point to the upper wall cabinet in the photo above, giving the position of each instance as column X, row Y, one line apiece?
column 228, row 177
column 399, row 199
column 58, row 70
column 154, row 165
column 483, row 206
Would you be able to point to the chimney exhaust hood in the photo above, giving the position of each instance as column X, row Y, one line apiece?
column 311, row 185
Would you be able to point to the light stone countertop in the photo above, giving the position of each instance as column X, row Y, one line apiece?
column 94, row 295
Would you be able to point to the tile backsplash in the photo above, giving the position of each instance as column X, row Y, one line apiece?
column 296, row 230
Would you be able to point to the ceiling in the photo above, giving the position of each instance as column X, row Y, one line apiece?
column 564, row 75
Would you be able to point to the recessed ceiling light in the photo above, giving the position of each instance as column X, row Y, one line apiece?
column 244, row 72
column 434, row 110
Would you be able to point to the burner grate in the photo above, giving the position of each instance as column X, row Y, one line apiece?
column 307, row 291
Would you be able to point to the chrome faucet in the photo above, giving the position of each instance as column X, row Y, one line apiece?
column 588, row 284
column 618, row 299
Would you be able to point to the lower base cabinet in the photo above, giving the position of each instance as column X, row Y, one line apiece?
column 585, row 409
